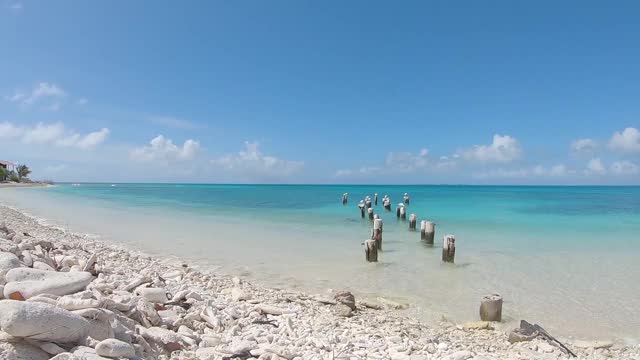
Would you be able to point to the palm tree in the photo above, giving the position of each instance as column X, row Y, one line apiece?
column 23, row 171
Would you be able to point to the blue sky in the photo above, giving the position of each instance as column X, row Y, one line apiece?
column 322, row 92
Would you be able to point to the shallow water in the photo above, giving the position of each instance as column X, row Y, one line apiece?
column 564, row 257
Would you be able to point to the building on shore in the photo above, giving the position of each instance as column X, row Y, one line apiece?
column 11, row 167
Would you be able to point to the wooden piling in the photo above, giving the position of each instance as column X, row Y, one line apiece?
column 362, row 206
column 345, row 198
column 427, row 231
column 370, row 213
column 449, row 248
column 412, row 222
column 367, row 202
column 386, row 202
column 377, row 233
column 402, row 211
column 491, row 308
column 375, row 199
column 370, row 251
column 406, row 198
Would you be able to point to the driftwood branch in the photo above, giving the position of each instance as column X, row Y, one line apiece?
column 528, row 329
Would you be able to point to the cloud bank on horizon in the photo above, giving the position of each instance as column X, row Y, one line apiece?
column 426, row 98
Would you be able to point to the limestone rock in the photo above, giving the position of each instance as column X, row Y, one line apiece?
column 115, row 349
column 346, row 298
column 40, row 321
column 163, row 336
column 87, row 353
column 207, row 354
column 238, row 294
column 343, row 310
column 66, row 356
column 546, row 347
column 516, row 336
column 21, row 351
column 154, row 295
column 477, row 325
column 42, row 266
column 31, row 282
column 371, row 305
column 8, row 261
column 459, row 355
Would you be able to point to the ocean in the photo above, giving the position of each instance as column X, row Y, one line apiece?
column 567, row 258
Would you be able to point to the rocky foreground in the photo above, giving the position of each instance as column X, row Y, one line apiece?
column 69, row 296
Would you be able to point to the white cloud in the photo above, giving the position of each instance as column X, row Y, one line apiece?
column 252, row 161
column 82, row 101
column 53, row 134
column 624, row 168
column 595, row 167
column 43, row 133
column 40, row 91
column 93, row 139
column 401, row 161
column 8, row 130
column 584, row 146
column 16, row 6
column 559, row 170
column 407, row 161
column 503, row 149
column 626, row 141
column 172, row 122
column 163, row 149
column 365, row 170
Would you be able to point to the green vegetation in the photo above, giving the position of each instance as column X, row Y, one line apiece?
column 14, row 177
column 23, row 171
column 3, row 173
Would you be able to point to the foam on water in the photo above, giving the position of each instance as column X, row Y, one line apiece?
column 564, row 257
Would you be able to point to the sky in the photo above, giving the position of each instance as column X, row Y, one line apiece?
column 420, row 92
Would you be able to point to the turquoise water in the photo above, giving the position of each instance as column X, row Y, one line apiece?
column 565, row 257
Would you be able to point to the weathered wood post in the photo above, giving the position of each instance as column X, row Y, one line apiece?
column 401, row 212
column 412, row 222
column 449, row 248
column 491, row 308
column 362, row 208
column 375, row 199
column 377, row 233
column 370, row 213
column 386, row 202
column 370, row 251
column 367, row 202
column 429, row 232
column 345, row 198
column 406, row 198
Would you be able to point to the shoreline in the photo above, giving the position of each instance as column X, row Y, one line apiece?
column 365, row 333
column 23, row 185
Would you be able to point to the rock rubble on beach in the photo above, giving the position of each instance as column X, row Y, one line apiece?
column 70, row 296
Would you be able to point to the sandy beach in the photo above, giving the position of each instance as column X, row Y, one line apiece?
column 22, row 185
column 158, row 309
